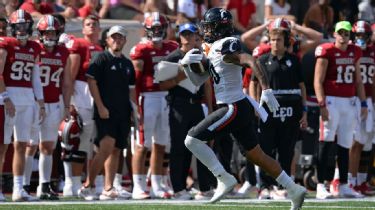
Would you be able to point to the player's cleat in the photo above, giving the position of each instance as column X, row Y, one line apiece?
column 345, row 191
column 334, row 187
column 264, row 194
column 322, row 193
column 70, row 191
column 87, row 193
column 297, row 194
column 182, row 195
column 364, row 189
column 123, row 194
column 200, row 196
column 225, row 184
column 22, row 196
column 2, row 197
column 111, row 194
column 160, row 194
column 140, row 195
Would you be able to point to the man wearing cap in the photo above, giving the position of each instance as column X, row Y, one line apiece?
column 185, row 111
column 337, row 81
column 111, row 80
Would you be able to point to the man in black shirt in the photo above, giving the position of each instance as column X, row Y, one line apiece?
column 185, row 112
column 111, row 80
column 280, row 132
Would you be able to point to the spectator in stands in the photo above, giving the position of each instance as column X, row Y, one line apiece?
column 66, row 8
column 367, row 10
column 190, row 11
column 277, row 8
column 124, row 9
column 243, row 14
column 344, row 10
column 11, row 6
column 320, row 14
column 37, row 8
column 89, row 8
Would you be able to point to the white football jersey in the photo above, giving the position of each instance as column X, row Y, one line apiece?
column 227, row 77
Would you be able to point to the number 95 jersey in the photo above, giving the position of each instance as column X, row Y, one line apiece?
column 20, row 61
column 52, row 64
column 340, row 74
column 227, row 77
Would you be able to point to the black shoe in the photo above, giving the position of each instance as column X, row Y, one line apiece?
column 48, row 196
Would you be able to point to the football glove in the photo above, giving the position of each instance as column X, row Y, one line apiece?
column 268, row 98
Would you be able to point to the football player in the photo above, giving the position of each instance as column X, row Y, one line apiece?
column 154, row 125
column 235, row 114
column 337, row 81
column 20, row 74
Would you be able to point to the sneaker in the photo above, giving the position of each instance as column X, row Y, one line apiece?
column 111, row 194
column 278, row 194
column 345, row 191
column 322, row 193
column 297, row 194
column 23, row 196
column 225, row 184
column 160, row 194
column 201, row 196
column 49, row 195
column 244, row 191
column 2, row 197
column 183, row 195
column 140, row 195
column 123, row 194
column 334, row 187
column 364, row 189
column 87, row 193
column 264, row 194
column 70, row 191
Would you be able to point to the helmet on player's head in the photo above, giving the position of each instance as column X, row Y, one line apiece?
column 156, row 26
column 364, row 28
column 69, row 132
column 282, row 25
column 21, row 22
column 217, row 23
column 48, row 23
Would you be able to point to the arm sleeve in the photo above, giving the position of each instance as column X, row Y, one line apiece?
column 37, row 84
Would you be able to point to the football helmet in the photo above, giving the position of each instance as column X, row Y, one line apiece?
column 156, row 26
column 362, row 33
column 217, row 23
column 48, row 23
column 283, row 25
column 69, row 132
column 21, row 24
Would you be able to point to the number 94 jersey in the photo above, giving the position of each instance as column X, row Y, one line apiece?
column 52, row 64
column 20, row 61
column 340, row 74
column 227, row 77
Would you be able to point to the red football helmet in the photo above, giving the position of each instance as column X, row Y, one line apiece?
column 21, row 24
column 362, row 26
column 69, row 132
column 156, row 26
column 48, row 23
column 279, row 24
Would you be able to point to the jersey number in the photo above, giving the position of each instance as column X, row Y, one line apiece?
column 21, row 70
column 367, row 75
column 215, row 76
column 345, row 75
column 46, row 77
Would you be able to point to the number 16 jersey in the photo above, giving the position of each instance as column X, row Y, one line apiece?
column 340, row 74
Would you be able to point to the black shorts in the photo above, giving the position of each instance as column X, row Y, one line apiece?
column 116, row 128
column 236, row 119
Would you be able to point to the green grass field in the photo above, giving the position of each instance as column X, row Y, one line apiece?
column 368, row 203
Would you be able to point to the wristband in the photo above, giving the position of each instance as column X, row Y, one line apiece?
column 304, row 108
column 5, row 95
column 364, row 104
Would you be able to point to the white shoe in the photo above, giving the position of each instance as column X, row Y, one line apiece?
column 140, row 195
column 123, row 194
column 23, row 196
column 278, row 194
column 345, row 191
column 297, row 195
column 200, row 196
column 70, row 191
column 2, row 197
column 183, row 195
column 111, row 194
column 322, row 193
column 264, row 194
column 87, row 193
column 225, row 184
column 160, row 194
column 244, row 191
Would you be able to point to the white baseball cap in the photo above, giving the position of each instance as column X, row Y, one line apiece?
column 116, row 30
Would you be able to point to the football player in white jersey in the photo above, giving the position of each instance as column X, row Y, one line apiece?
column 235, row 111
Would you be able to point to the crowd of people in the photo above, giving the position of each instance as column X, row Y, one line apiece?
column 205, row 76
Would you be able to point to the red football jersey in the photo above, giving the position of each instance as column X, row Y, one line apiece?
column 52, row 65
column 86, row 50
column 340, row 75
column 20, row 61
column 367, row 64
column 146, row 52
column 261, row 49
column 246, row 78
